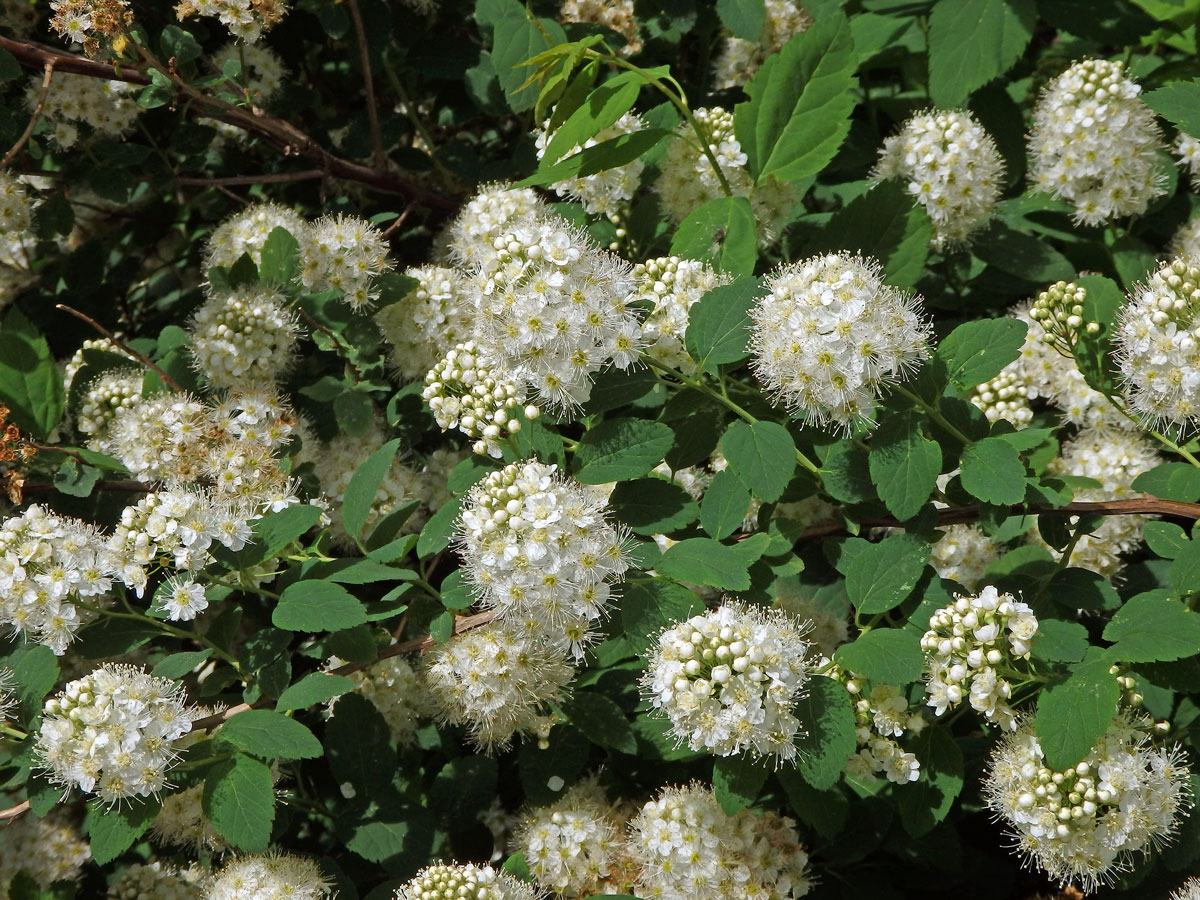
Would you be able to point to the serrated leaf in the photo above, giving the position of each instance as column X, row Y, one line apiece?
column 652, row 506
column 884, row 656
column 31, row 385
column 113, row 831
column 1178, row 103
column 718, row 325
column 279, row 260
column 991, row 470
column 886, row 223
column 601, row 108
column 845, row 473
column 737, row 781
column 1021, row 255
column 927, row 801
column 600, row 720
column 705, row 561
column 824, row 810
column 1170, row 481
column 359, row 747
column 1058, row 640
column 828, row 741
column 975, row 352
column 608, row 154
column 1153, row 627
column 620, row 449
column 239, row 800
column 317, row 606
column 177, row 665
column 762, row 455
column 904, row 464
column 314, row 688
column 879, row 577
column 649, row 605
column 435, row 536
column 270, row 735
column 745, row 18
column 721, row 233
column 1072, row 715
column 724, row 505
column 517, row 38
column 364, row 486
column 972, row 42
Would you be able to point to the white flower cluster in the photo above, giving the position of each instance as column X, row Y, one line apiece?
column 729, row 680
column 1094, row 143
column 969, row 645
column 1114, row 457
column 963, row 553
column 106, row 107
column 245, row 337
column 467, row 391
column 951, row 166
column 263, row 75
column 247, row 232
column 672, row 285
column 1005, row 397
column 1189, row 890
column 182, row 823
column 16, row 207
column 343, row 253
column 615, row 14
column 471, row 237
column 1157, row 344
column 103, row 397
column 1187, row 148
column 428, row 321
column 92, row 23
column 158, row 881
column 830, row 336
column 398, row 691
column 114, row 732
column 274, row 876
column 1185, row 243
column 880, row 717
column 688, row 179
column 47, row 562
column 163, row 436
column 245, row 19
column 1084, row 823
column 47, row 849
column 606, row 193
column 740, row 59
column 687, row 848
column 469, row 882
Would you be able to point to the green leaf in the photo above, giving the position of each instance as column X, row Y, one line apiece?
column 1021, row 255
column 608, row 154
column 826, row 811
column 516, row 38
column 705, row 561
column 652, row 506
column 239, row 800
column 314, row 688
column 359, row 747
column 992, row 471
column 113, row 831
column 30, row 384
column 927, row 801
column 886, row 223
column 602, row 107
column 800, row 102
column 762, row 455
column 737, row 781
column 1058, row 640
column 880, row 576
column 620, row 449
column 722, row 233
column 35, row 671
column 177, row 665
column 973, row 41
column 1072, row 715
column 724, row 506
column 975, row 352
column 1075, row 588
column 845, row 473
column 884, row 655
column 828, row 741
column 650, row 605
column 317, row 606
column 600, row 720
column 435, row 536
column 276, row 531
column 76, row 480
column 718, row 325
column 1185, row 574
column 745, row 18
column 1178, row 103
column 1166, row 539
column 270, row 735
column 1171, row 481
column 364, row 485
column 904, row 464
column 1151, row 627
column 279, row 263
column 179, row 45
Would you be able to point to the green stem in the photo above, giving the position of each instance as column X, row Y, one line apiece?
column 1157, row 435
column 14, row 733
column 166, row 629
column 934, row 413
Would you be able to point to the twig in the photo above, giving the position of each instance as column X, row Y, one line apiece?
column 140, row 357
column 236, row 180
column 399, row 221
column 132, row 487
column 364, row 59
column 15, row 811
column 47, row 77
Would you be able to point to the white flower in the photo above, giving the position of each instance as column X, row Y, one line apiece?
column 739, row 59
column 428, row 321
column 1187, row 148
column 1189, row 890
column 400, row 694
column 673, row 285
column 106, row 107
column 16, row 207
column 606, row 193
column 247, row 232
column 245, row 19
column 275, row 876
column 182, row 599
column 470, row 238
column 46, row 849
column 181, row 823
column 245, row 337
column 448, row 882
column 343, row 253
column 157, row 881
column 963, row 553
column 618, row 15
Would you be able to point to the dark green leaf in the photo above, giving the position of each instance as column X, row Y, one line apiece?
column 829, row 740
column 1171, row 481
column 652, row 505
column 435, row 536
column 358, row 746
column 270, row 735
column 884, row 656
column 1018, row 254
column 705, row 561
column 1072, row 715
column 737, row 781
column 316, row 687
column 973, row 41
column 76, row 480
column 649, row 605
column 724, row 506
column 880, row 576
column 620, row 449
column 9, row 67
column 179, row 664
column 745, row 18
column 239, row 800
column 113, row 831
column 992, row 471
column 516, row 38
column 31, row 385
column 364, row 486
column 904, row 464
column 762, row 455
column 886, row 223
column 845, row 473
column 722, row 233
column 279, row 262
column 1151, row 627
column 317, row 606
column 927, row 801
column 975, row 352
column 718, row 325
column 1178, row 103
column 1059, row 641
column 608, row 154
column 600, row 720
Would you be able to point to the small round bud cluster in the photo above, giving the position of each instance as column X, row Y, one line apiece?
column 1189, row 890
column 740, row 59
column 343, row 253
column 688, row 179
column 16, row 208
column 1187, row 148
column 247, row 336
column 247, row 231
column 828, row 612
column 274, row 876
column 1114, row 457
column 182, row 823
column 1005, row 397
column 969, row 645
column 963, row 553
column 1094, row 143
column 951, row 167
column 729, row 680
column 434, row 316
column 398, row 691
column 830, row 336
column 672, row 285
column 552, row 309
column 1083, row 824
column 106, row 107
column 497, row 679
column 104, row 397
column 471, row 237
column 606, row 193
column 615, row 14
column 114, row 732
column 47, row 849
column 880, row 717
column 465, row 391
column 1157, row 344
column 1059, row 310
column 96, row 24
column 46, row 562
column 245, row 19
column 157, row 881
column 539, row 546
column 469, row 882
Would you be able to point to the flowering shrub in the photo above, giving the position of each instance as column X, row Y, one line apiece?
column 476, row 450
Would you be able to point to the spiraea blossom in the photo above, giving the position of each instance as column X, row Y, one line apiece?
column 273, row 876
column 47, row 563
column 830, row 336
column 8, row 694
column 963, row 553
column 552, row 309
column 1157, row 344
column 247, row 336
column 1189, row 890
column 673, row 285
column 969, row 647
column 729, row 680
column 881, row 716
column 114, row 733
column 245, row 19
column 182, row 823
column 1005, row 397
column 1083, row 825
column 107, row 108
column 537, row 545
column 450, row 882
column 343, row 253
column 47, row 849
column 247, row 232
column 615, row 14
column 606, row 193
column 398, row 691
column 468, row 392
column 16, row 207
column 471, row 237
column 428, row 321
column 739, row 59
column 165, row 436
column 1185, row 242
column 103, row 397
column 950, row 166
column 158, row 881
column 264, row 73
column 95, row 24
column 1094, row 143
column 1187, row 149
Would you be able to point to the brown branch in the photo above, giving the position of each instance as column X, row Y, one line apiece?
column 14, row 812
column 47, row 77
column 236, row 180
column 140, row 357
column 364, row 59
